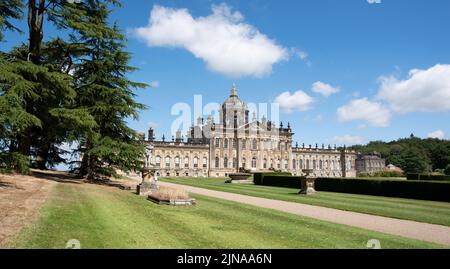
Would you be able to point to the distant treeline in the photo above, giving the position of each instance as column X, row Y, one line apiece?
column 413, row 154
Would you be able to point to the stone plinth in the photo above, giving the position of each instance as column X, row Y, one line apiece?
column 148, row 184
column 308, row 186
column 238, row 177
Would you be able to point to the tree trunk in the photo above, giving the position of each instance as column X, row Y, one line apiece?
column 36, row 33
column 35, row 26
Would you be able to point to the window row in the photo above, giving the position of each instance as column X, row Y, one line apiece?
column 266, row 163
column 177, row 162
column 321, row 165
column 254, row 144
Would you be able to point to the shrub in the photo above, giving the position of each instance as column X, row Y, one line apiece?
column 14, row 162
column 381, row 174
column 434, row 191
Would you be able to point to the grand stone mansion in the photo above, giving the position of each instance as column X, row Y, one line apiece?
column 239, row 143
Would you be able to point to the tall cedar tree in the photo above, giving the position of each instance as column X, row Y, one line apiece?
column 103, row 88
column 37, row 94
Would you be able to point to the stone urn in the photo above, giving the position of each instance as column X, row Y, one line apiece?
column 308, row 183
column 149, row 182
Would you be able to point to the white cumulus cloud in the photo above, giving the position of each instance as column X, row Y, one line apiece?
column 222, row 39
column 296, row 101
column 348, row 140
column 363, row 109
column 324, row 89
column 423, row 91
column 439, row 134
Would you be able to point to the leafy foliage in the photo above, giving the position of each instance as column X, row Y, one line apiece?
column 413, row 155
column 68, row 91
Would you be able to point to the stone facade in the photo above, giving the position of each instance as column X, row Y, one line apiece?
column 370, row 164
column 238, row 142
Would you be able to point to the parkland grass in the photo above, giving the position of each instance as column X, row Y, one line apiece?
column 105, row 217
column 408, row 209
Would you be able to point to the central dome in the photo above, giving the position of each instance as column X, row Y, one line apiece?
column 234, row 111
column 233, row 102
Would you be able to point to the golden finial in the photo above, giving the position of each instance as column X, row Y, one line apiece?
column 233, row 90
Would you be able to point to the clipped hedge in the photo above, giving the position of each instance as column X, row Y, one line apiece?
column 422, row 190
column 258, row 178
column 412, row 176
column 428, row 177
column 286, row 181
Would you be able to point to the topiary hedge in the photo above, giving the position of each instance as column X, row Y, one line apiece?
column 278, row 180
column 258, row 178
column 422, row 190
column 428, row 177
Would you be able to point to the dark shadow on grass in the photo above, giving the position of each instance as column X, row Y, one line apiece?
column 64, row 177
column 111, row 183
column 57, row 176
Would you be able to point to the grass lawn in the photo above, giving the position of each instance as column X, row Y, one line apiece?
column 105, row 217
column 417, row 210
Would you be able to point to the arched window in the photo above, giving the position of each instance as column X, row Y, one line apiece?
column 158, row 161
column 244, row 143
column 217, row 142
column 320, row 165
column 286, row 164
column 217, row 162
column 254, row 162
column 294, row 164
column 186, row 162
column 255, row 144
column 225, row 143
column 177, row 162
column 205, row 162
column 235, row 163
column 307, row 164
column 167, row 162
column 225, row 162
column 195, row 163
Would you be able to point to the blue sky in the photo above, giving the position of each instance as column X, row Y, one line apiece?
column 360, row 56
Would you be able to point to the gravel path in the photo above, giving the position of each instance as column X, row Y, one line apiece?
column 411, row 229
